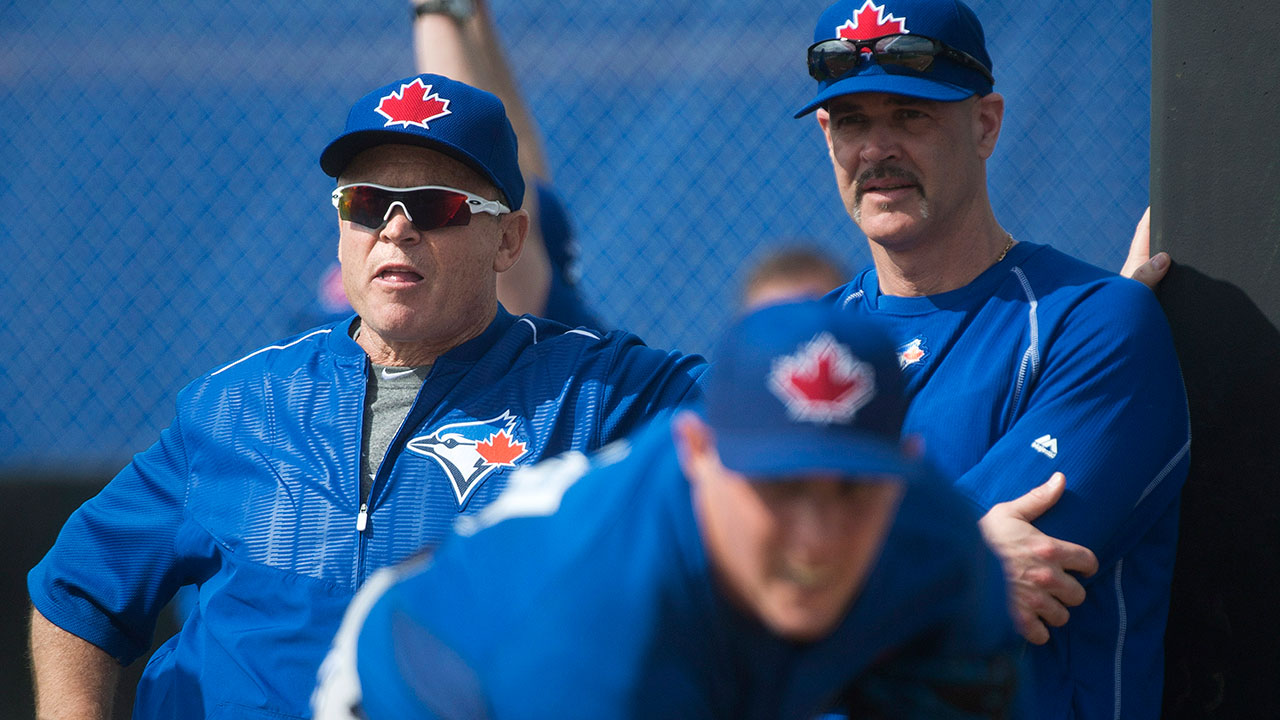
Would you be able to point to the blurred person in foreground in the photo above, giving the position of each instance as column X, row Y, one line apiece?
column 777, row 553
column 293, row 473
column 1021, row 362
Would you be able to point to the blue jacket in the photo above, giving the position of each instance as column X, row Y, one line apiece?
column 252, row 494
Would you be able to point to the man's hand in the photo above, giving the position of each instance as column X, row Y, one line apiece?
column 1035, row 565
column 1140, row 265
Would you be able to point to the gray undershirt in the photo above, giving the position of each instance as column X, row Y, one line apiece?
column 390, row 394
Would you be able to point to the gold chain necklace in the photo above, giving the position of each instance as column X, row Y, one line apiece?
column 1005, row 251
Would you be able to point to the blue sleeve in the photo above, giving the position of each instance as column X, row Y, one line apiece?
column 113, row 567
column 645, row 383
column 1107, row 408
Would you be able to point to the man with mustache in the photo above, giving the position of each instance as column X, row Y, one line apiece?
column 1021, row 362
column 293, row 473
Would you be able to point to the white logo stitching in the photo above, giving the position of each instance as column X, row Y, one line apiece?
column 1046, row 445
column 393, row 373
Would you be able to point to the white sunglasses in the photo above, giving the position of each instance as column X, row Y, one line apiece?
column 428, row 207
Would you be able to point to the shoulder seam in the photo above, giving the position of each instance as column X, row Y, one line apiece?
column 259, row 351
column 571, row 331
column 854, row 295
column 1031, row 357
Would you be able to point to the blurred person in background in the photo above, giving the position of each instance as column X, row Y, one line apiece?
column 457, row 38
column 795, row 272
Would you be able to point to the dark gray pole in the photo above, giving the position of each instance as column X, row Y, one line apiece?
column 1215, row 193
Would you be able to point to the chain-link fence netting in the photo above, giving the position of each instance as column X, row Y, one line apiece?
column 163, row 210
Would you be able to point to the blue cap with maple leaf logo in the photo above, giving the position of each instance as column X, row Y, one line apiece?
column 949, row 21
column 803, row 387
column 436, row 112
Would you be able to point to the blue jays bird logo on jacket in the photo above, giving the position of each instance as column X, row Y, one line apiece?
column 469, row 452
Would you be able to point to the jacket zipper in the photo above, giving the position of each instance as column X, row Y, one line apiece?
column 362, row 515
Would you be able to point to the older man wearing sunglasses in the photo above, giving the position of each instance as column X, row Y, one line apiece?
column 291, row 474
column 1022, row 363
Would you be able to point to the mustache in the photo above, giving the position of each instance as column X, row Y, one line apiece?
column 881, row 172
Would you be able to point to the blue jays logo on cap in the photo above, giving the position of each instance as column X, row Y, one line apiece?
column 871, row 21
column 804, row 387
column 438, row 113
column 469, row 452
column 950, row 22
column 823, row 381
column 411, row 105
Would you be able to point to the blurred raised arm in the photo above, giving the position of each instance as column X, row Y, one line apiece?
column 469, row 49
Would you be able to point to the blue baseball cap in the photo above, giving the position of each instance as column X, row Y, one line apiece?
column 949, row 21
column 435, row 112
column 803, row 387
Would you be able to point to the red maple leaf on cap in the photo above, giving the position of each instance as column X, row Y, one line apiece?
column 871, row 21
column 411, row 105
column 500, row 450
column 823, row 381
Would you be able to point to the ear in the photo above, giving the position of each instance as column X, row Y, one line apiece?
column 695, row 443
column 824, row 119
column 824, row 122
column 515, row 229
column 988, row 116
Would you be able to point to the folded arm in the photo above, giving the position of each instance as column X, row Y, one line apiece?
column 1038, row 568
column 1107, row 410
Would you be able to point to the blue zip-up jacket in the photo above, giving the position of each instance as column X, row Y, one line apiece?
column 252, row 494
